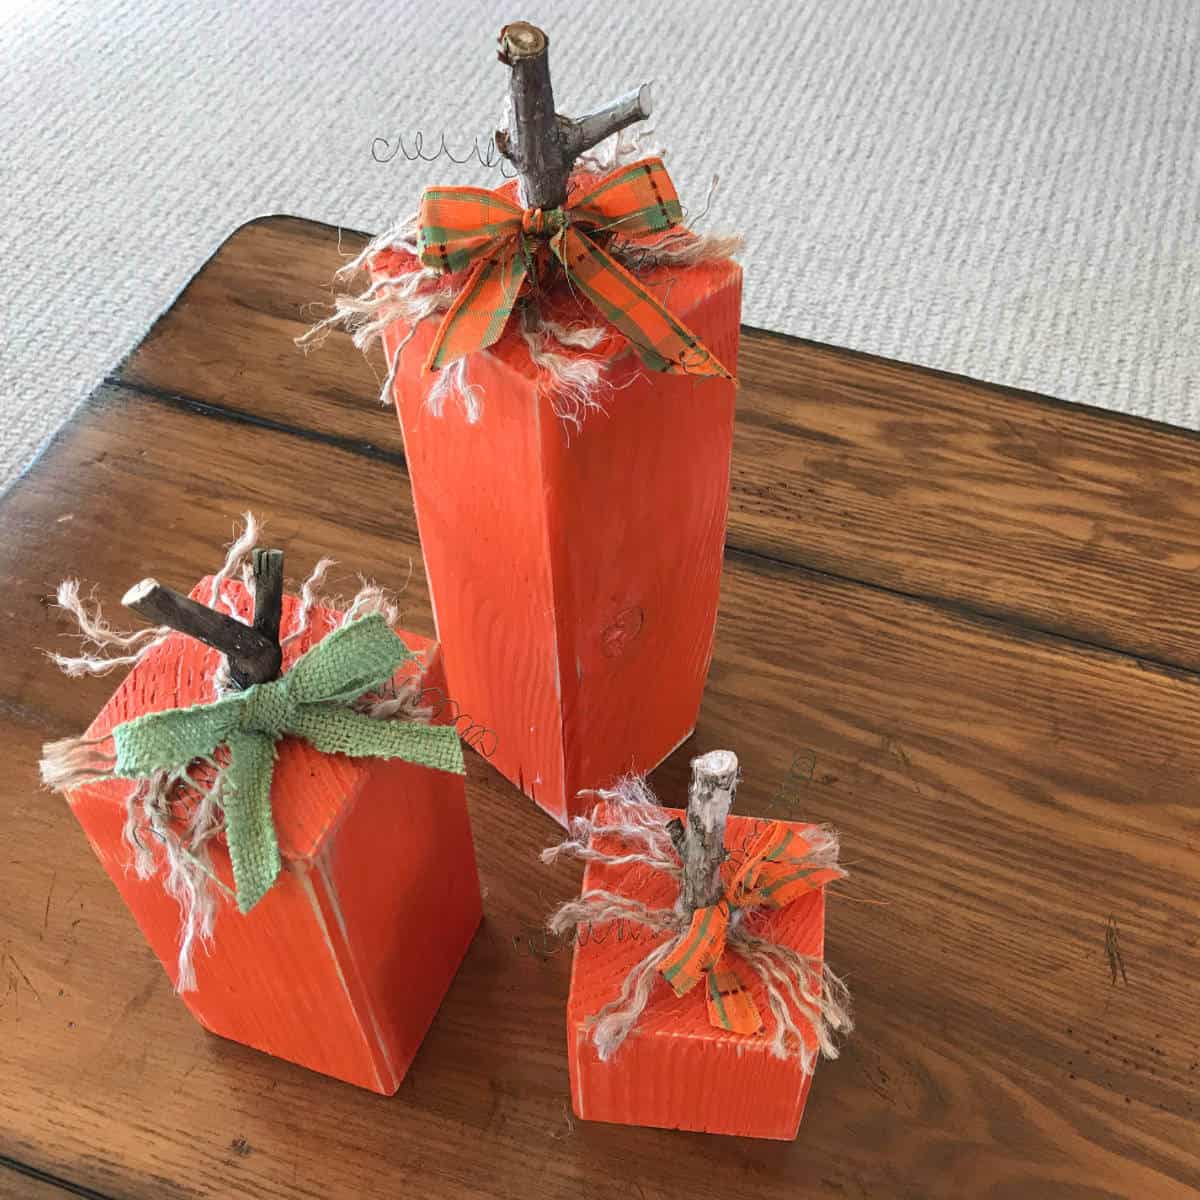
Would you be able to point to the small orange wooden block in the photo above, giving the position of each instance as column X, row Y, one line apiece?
column 342, row 965
column 676, row 1070
column 575, row 572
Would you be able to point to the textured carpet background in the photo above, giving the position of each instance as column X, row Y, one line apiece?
column 1004, row 188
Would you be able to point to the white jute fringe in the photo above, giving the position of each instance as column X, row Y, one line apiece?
column 628, row 145
column 308, row 597
column 572, row 383
column 71, row 761
column 236, row 560
column 97, row 633
column 177, row 810
column 794, row 982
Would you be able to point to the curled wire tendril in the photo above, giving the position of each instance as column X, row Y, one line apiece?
column 483, row 151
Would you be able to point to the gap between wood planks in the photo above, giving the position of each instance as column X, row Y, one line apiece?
column 367, row 449
column 55, row 1181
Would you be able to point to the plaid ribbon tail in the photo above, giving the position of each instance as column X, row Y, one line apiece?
column 485, row 231
column 663, row 342
column 698, row 949
column 631, row 201
column 249, row 829
column 481, row 310
column 730, row 1005
column 777, row 871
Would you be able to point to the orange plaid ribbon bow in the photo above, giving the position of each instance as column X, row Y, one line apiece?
column 775, row 872
column 499, row 241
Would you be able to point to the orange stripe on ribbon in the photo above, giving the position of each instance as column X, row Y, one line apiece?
column 500, row 242
column 775, row 872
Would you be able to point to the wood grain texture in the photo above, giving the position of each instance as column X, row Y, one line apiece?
column 575, row 573
column 678, row 1071
column 1082, row 522
column 337, row 967
column 1017, row 807
column 16, row 1184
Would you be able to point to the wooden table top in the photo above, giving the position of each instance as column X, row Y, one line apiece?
column 959, row 622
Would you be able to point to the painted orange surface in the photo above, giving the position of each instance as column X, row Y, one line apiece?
column 575, row 572
column 340, row 967
column 675, row 1070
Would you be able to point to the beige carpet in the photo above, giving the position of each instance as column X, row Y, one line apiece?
column 1005, row 188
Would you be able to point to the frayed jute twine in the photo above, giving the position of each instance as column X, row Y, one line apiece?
column 798, row 988
column 181, row 809
column 571, row 379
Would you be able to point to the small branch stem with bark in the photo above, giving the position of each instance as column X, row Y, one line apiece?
column 701, row 842
column 542, row 145
column 253, row 651
column 268, row 593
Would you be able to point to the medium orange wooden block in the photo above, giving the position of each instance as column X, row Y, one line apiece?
column 575, row 571
column 675, row 1070
column 342, row 965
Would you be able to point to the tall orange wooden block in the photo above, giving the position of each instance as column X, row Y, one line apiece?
column 675, row 1070
column 575, row 571
column 342, row 965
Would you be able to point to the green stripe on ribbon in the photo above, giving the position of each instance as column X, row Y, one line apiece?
column 781, row 850
column 624, row 321
column 513, row 275
column 784, row 880
column 310, row 702
column 715, row 992
column 697, row 942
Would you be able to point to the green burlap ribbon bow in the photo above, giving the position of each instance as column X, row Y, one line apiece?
column 311, row 702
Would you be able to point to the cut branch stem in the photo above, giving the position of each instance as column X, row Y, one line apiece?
column 542, row 145
column 268, row 592
column 714, row 779
column 253, row 653
column 583, row 133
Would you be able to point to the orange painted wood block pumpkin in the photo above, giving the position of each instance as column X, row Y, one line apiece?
column 575, row 569
column 675, row 1070
column 344, row 962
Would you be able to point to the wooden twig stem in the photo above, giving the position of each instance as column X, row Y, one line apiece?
column 253, row 655
column 590, row 130
column 268, row 592
column 542, row 145
column 714, row 779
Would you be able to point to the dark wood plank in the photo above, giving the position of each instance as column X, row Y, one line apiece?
column 1002, row 794
column 1047, row 514
column 20, row 1185
column 228, row 340
column 1070, row 520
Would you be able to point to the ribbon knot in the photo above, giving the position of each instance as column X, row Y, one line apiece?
column 312, row 701
column 484, row 230
column 269, row 709
column 537, row 223
column 775, row 871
